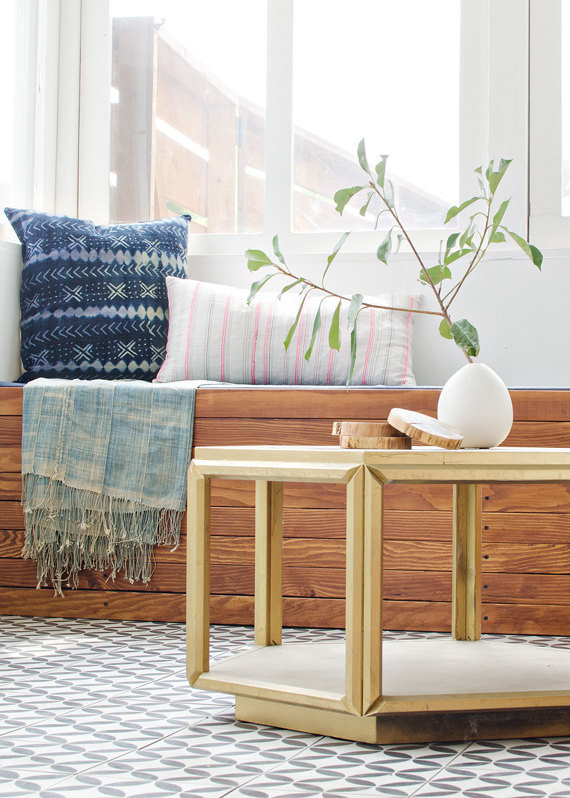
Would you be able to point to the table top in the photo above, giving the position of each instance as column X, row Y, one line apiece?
column 419, row 464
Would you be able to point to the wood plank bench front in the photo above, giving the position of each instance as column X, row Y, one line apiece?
column 526, row 528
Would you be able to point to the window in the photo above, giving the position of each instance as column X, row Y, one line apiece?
column 248, row 115
column 188, row 123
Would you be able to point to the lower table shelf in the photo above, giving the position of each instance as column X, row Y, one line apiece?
column 429, row 688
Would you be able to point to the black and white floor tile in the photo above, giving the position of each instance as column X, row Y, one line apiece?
column 103, row 708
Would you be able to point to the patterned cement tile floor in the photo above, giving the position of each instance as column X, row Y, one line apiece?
column 102, row 708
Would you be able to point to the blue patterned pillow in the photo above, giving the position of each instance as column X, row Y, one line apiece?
column 93, row 299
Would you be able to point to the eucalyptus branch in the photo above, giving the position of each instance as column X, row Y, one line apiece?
column 457, row 247
column 314, row 286
column 479, row 252
column 394, row 214
column 424, row 272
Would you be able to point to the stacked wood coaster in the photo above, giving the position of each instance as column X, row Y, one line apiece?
column 397, row 432
column 370, row 435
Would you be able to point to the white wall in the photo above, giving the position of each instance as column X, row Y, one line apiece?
column 10, row 280
column 521, row 314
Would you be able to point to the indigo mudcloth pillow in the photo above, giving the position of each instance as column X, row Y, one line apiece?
column 93, row 299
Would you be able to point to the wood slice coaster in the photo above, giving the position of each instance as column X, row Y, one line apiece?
column 425, row 429
column 370, row 435
column 366, row 429
column 377, row 442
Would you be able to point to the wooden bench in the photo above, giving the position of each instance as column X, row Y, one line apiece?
column 526, row 528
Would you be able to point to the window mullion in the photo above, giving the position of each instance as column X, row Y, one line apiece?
column 95, row 79
column 67, row 164
column 546, row 104
column 508, row 103
column 46, row 105
column 494, row 98
column 474, row 85
column 279, row 118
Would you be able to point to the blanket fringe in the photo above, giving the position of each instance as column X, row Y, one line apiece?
column 69, row 530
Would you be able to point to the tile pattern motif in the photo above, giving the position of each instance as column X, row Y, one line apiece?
column 103, row 708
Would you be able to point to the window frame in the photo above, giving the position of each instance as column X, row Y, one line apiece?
column 494, row 112
column 40, row 35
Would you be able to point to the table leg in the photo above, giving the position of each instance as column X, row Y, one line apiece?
column 198, row 576
column 268, row 562
column 364, row 505
column 372, row 626
column 466, row 597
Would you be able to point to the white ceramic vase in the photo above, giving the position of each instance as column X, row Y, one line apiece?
column 476, row 402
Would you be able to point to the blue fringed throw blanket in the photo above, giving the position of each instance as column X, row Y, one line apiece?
column 104, row 468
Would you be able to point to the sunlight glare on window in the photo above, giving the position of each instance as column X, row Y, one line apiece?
column 388, row 72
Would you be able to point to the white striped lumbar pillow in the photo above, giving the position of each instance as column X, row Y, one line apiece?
column 215, row 335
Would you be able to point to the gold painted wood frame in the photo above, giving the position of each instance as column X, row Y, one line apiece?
column 365, row 690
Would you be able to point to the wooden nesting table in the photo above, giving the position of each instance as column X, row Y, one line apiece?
column 369, row 690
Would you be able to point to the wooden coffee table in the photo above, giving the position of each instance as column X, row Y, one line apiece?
column 367, row 690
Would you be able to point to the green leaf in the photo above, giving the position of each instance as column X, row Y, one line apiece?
column 437, row 274
column 256, row 259
column 489, row 169
column 455, row 209
column 479, row 173
column 293, row 327
column 459, row 253
column 316, row 328
column 364, row 208
column 496, row 177
column 389, row 194
column 362, row 159
column 353, row 348
column 289, row 287
column 536, row 256
column 444, row 330
column 465, row 235
column 334, row 253
column 529, row 250
column 277, row 250
column 385, row 248
column 381, row 170
column 337, row 247
column 334, row 331
column 451, row 241
column 344, row 195
column 256, row 286
column 498, row 217
column 400, row 238
column 495, row 237
column 378, row 217
column 466, row 337
column 354, row 309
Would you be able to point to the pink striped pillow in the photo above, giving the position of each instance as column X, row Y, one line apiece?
column 215, row 335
